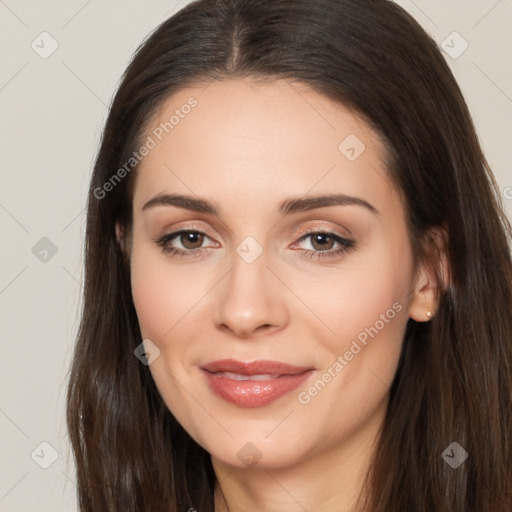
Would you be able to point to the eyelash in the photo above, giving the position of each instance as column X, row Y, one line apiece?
column 345, row 245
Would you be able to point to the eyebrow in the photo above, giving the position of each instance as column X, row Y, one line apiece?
column 286, row 207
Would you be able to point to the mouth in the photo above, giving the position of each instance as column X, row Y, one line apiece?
column 253, row 384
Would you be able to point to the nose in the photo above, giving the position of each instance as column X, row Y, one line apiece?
column 250, row 299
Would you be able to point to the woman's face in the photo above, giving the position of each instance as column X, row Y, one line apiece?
column 254, row 280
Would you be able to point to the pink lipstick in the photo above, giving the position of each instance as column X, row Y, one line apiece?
column 253, row 384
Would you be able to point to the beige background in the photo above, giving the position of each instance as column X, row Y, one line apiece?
column 52, row 113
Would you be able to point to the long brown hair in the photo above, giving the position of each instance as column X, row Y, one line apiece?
column 453, row 382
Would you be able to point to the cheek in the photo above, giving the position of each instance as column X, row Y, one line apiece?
column 151, row 298
column 162, row 293
column 350, row 303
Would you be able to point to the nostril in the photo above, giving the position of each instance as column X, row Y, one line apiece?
column 264, row 327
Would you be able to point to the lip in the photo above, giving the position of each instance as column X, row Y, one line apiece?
column 283, row 378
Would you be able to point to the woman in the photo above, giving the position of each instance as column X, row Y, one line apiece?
column 298, row 274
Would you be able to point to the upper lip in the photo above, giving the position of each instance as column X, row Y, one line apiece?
column 254, row 367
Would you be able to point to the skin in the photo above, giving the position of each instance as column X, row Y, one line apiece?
column 246, row 147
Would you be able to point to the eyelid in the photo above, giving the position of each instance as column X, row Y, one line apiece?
column 189, row 227
column 314, row 228
column 305, row 230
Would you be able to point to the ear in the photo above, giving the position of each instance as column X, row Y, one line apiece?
column 432, row 277
column 424, row 301
column 120, row 237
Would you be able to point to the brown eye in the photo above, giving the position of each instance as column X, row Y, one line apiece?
column 191, row 239
column 325, row 245
column 189, row 242
column 322, row 241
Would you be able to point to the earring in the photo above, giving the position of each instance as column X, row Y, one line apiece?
column 429, row 314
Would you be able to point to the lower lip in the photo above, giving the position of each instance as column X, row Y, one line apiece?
column 249, row 393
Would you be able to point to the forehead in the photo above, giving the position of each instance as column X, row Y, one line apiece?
column 258, row 141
